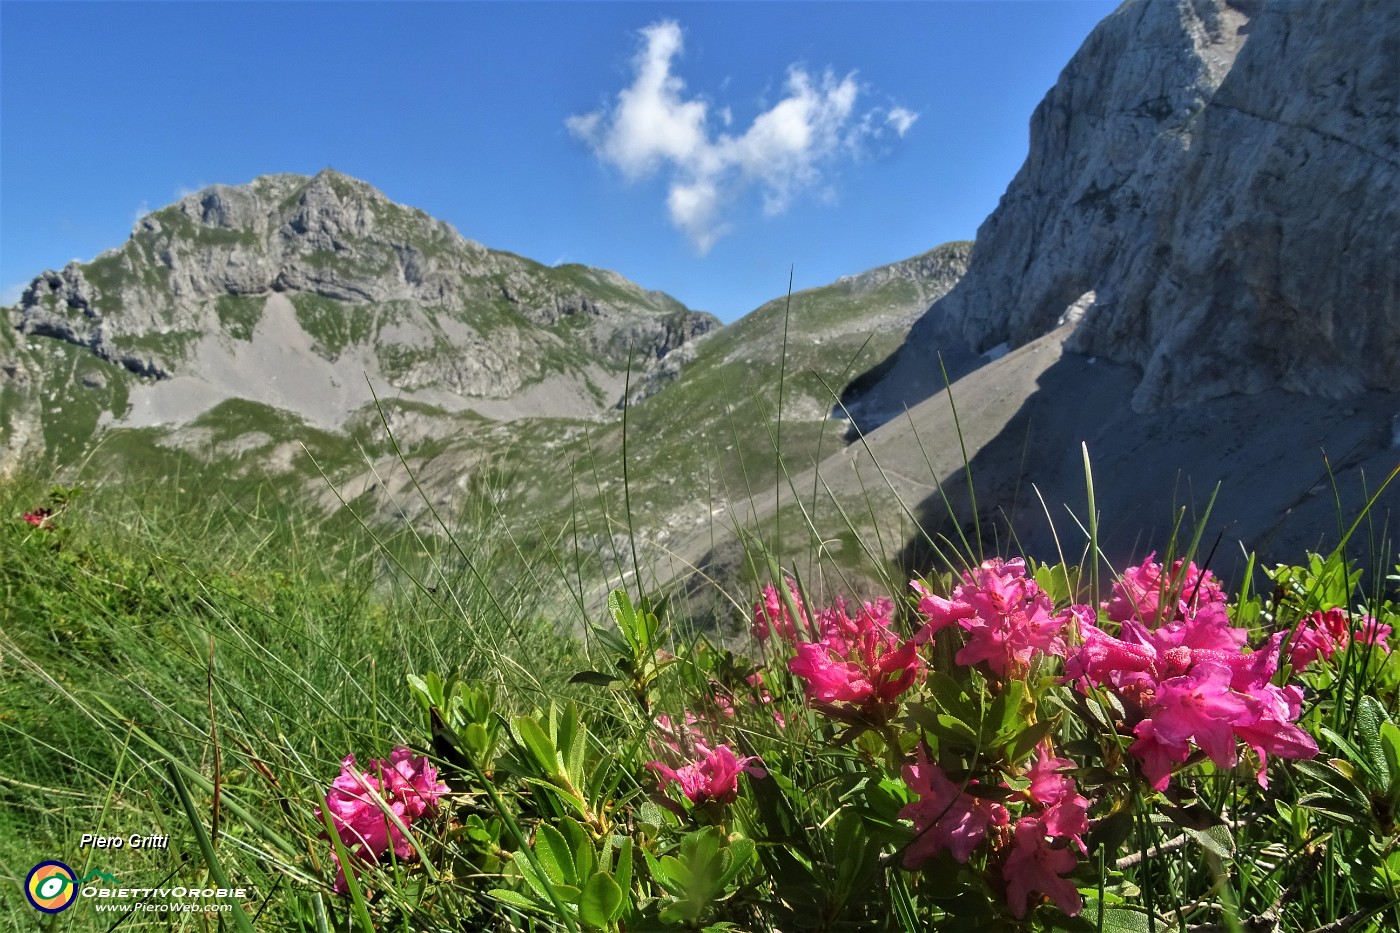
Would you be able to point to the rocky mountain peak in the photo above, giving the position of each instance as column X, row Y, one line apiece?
column 366, row 279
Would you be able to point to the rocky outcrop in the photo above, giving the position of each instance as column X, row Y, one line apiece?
column 930, row 275
column 434, row 308
column 1224, row 177
column 65, row 306
column 21, row 426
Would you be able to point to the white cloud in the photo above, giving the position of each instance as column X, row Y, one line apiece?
column 654, row 127
column 901, row 119
column 142, row 210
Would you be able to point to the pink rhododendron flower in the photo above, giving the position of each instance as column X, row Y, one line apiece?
column 1035, row 865
column 860, row 661
column 714, row 778
column 1189, row 680
column 1065, row 810
column 1202, row 707
column 945, row 818
column 1321, row 633
column 1272, row 730
column 839, row 629
column 1049, row 785
column 1325, row 633
column 771, row 615
column 1007, row 618
column 1142, row 590
column 1371, row 632
column 407, row 786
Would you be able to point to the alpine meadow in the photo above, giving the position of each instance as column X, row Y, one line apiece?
column 356, row 575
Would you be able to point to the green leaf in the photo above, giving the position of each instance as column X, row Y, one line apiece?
column 573, row 743
column 1370, row 715
column 1028, row 738
column 658, row 872
column 612, row 641
column 741, row 853
column 477, row 739
column 955, row 728
column 1341, row 809
column 1342, row 742
column 601, row 901
column 421, row 692
column 513, row 898
column 1007, row 713
column 581, row 844
column 1059, row 582
column 620, row 606
column 533, row 737
column 649, row 626
column 1332, row 778
column 1113, row 830
column 594, row 679
column 1115, row 919
column 1217, row 839
column 943, row 725
column 552, row 893
column 675, row 871
column 554, row 855
column 950, row 695
column 624, row 864
column 1390, row 745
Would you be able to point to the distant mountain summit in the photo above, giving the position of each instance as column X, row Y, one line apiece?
column 291, row 290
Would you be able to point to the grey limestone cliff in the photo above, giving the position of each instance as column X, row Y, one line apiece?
column 1224, row 177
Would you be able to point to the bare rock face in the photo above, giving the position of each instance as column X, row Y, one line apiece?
column 369, row 279
column 21, row 428
column 1224, row 177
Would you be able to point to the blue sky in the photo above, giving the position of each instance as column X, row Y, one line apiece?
column 697, row 148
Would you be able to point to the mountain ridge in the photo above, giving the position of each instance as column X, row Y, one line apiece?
column 399, row 294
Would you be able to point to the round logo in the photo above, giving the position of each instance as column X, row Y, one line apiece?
column 51, row 887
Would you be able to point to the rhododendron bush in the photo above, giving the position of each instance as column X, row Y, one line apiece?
column 997, row 745
column 993, row 750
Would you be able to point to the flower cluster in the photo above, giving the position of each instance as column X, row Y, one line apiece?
column 1324, row 633
column 946, row 817
column 1189, row 679
column 1037, row 853
column 1006, row 616
column 1042, row 850
column 707, row 772
column 1143, row 590
column 771, row 614
column 711, row 778
column 859, row 662
column 406, row 785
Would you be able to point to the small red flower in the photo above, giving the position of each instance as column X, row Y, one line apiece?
column 39, row 518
